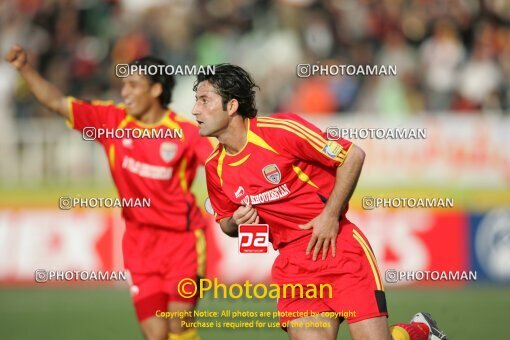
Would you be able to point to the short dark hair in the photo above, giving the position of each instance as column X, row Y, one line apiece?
column 232, row 82
column 167, row 81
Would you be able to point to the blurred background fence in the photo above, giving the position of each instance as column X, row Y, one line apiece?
column 460, row 158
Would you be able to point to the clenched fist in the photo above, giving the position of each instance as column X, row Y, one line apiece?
column 245, row 215
column 17, row 57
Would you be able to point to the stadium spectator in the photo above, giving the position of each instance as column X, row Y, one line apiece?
column 437, row 35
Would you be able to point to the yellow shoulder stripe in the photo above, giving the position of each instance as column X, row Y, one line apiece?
column 172, row 124
column 179, row 118
column 299, row 134
column 213, row 154
column 102, row 102
column 315, row 140
column 312, row 135
column 125, row 121
column 241, row 161
column 108, row 103
column 253, row 138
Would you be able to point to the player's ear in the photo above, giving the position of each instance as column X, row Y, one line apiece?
column 232, row 106
column 156, row 90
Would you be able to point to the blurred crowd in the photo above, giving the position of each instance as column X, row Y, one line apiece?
column 451, row 55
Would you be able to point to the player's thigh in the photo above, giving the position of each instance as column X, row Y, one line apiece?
column 370, row 329
column 184, row 264
column 326, row 328
column 154, row 328
column 178, row 324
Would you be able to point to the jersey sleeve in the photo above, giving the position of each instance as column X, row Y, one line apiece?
column 88, row 117
column 223, row 207
column 295, row 136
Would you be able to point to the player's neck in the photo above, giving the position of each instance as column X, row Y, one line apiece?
column 153, row 115
column 235, row 136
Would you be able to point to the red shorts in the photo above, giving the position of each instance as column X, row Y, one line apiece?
column 157, row 259
column 356, row 286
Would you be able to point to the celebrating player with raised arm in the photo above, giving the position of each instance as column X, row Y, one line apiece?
column 281, row 170
column 164, row 242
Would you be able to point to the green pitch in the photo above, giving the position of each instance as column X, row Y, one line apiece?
column 41, row 312
column 479, row 312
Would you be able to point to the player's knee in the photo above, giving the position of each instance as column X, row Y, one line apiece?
column 155, row 334
column 311, row 335
column 153, row 330
column 177, row 326
column 300, row 333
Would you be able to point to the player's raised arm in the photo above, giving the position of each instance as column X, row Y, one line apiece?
column 45, row 92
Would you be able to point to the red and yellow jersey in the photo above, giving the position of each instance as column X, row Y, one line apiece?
column 160, row 169
column 286, row 170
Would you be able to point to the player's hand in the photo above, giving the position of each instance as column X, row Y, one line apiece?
column 246, row 215
column 17, row 57
column 325, row 231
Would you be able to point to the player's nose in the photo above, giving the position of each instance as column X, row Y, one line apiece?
column 195, row 112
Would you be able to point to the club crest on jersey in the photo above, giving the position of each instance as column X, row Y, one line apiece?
column 167, row 151
column 332, row 149
column 272, row 173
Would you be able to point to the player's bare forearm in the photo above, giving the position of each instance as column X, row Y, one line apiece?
column 325, row 226
column 229, row 227
column 45, row 92
column 347, row 177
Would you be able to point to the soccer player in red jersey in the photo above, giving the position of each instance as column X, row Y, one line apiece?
column 165, row 242
column 281, row 170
